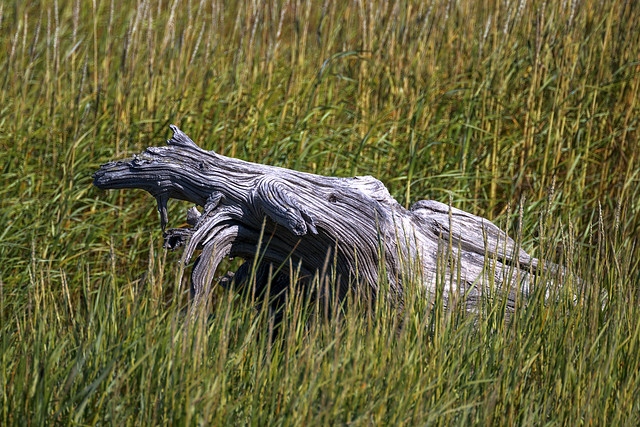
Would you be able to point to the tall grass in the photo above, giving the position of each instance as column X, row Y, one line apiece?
column 500, row 105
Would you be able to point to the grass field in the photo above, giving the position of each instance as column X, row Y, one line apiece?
column 525, row 112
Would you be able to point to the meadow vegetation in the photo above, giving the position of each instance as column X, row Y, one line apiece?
column 522, row 111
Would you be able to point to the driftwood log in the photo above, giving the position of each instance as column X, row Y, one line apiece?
column 348, row 232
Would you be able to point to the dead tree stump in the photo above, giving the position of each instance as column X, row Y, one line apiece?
column 348, row 229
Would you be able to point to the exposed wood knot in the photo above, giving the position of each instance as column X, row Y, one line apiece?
column 213, row 201
column 193, row 215
column 283, row 206
column 176, row 237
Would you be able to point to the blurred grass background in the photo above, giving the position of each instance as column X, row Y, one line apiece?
column 525, row 112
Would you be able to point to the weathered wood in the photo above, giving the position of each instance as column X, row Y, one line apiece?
column 349, row 229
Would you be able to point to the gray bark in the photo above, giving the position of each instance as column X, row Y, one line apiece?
column 348, row 229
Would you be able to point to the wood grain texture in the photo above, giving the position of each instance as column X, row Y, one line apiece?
column 347, row 229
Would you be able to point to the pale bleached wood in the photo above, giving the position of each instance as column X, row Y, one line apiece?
column 348, row 229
